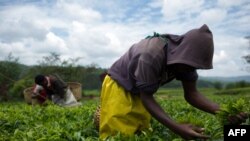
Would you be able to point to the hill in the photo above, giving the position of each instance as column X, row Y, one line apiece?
column 227, row 79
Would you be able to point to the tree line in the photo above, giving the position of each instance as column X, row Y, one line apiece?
column 15, row 77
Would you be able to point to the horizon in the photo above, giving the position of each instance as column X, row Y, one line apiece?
column 245, row 75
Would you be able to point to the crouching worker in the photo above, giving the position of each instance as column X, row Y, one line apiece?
column 127, row 101
column 56, row 89
column 39, row 95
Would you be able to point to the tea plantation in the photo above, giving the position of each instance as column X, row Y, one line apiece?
column 20, row 121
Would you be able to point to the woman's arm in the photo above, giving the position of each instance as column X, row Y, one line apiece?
column 201, row 102
column 186, row 131
column 196, row 99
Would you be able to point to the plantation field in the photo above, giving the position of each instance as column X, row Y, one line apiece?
column 20, row 121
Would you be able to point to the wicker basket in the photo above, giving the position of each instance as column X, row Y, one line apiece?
column 97, row 117
column 76, row 89
column 27, row 95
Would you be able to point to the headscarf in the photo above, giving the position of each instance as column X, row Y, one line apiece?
column 194, row 48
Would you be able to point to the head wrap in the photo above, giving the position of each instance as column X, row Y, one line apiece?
column 194, row 48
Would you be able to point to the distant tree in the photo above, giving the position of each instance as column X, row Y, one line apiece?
column 218, row 85
column 67, row 69
column 9, row 73
column 53, row 59
column 239, row 84
column 247, row 57
column 204, row 84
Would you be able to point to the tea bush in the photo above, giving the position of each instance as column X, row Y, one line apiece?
column 20, row 121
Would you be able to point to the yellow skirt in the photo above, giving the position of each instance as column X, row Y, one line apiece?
column 120, row 111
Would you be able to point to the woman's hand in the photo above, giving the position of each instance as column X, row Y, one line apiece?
column 238, row 118
column 189, row 132
column 186, row 131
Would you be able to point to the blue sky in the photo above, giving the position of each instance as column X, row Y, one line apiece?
column 101, row 31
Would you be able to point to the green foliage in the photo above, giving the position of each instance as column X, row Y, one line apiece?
column 240, row 84
column 19, row 121
column 204, row 84
column 218, row 85
column 231, row 108
column 10, row 70
column 236, row 91
column 17, row 90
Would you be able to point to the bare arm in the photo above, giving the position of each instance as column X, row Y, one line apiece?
column 36, row 91
column 196, row 99
column 186, row 131
column 201, row 102
column 156, row 111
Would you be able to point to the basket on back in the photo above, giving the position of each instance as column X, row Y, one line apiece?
column 27, row 95
column 76, row 89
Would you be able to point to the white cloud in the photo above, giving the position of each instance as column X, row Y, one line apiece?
column 228, row 56
column 101, row 31
column 55, row 43
column 230, row 3
column 21, row 22
column 72, row 11
column 212, row 16
column 221, row 57
column 155, row 4
column 177, row 8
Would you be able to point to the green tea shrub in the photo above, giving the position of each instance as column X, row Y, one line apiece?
column 230, row 109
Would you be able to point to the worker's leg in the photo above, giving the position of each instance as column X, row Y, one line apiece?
column 120, row 111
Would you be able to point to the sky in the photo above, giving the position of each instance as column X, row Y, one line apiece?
column 100, row 31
